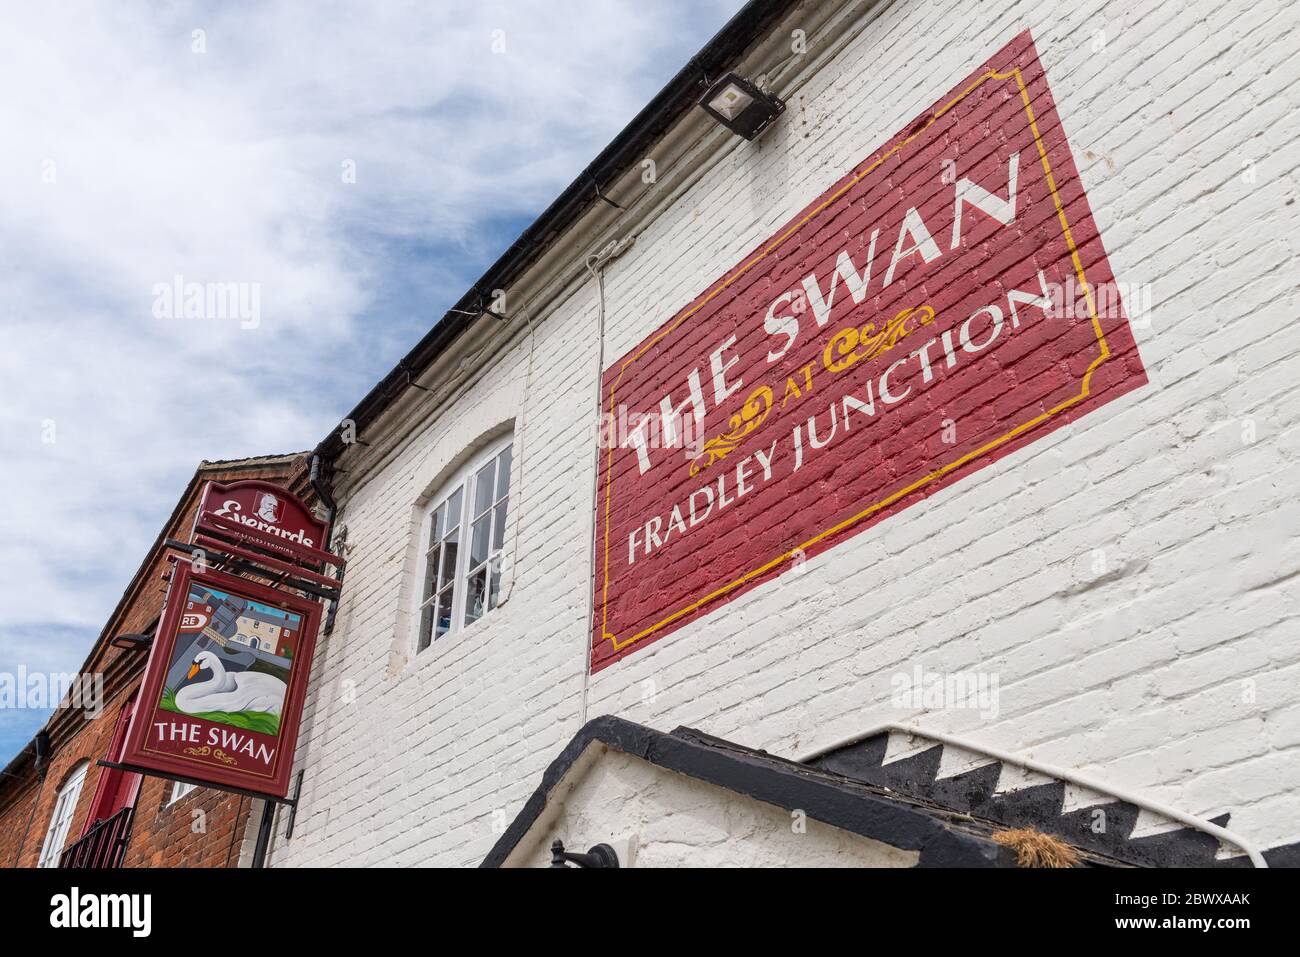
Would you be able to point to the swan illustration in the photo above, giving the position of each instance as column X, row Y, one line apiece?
column 226, row 691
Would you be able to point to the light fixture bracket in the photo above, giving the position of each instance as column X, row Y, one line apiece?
column 741, row 106
column 132, row 642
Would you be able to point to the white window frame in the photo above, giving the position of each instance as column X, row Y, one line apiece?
column 179, row 790
column 500, row 455
column 65, row 806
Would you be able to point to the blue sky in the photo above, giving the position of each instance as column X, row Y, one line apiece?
column 209, row 141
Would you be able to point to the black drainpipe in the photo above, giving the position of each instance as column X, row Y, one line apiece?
column 317, row 479
column 39, row 746
column 322, row 490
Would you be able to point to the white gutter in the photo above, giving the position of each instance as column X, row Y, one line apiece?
column 1083, row 781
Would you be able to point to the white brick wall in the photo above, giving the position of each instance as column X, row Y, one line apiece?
column 1174, row 670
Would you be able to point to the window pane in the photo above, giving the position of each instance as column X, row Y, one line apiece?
column 475, row 596
column 478, row 509
column 426, row 627
column 430, row 574
column 179, row 790
column 449, row 550
column 503, row 474
column 65, row 806
column 494, row 581
column 435, row 525
column 478, row 547
column 444, row 610
column 499, row 527
column 483, row 485
column 453, row 511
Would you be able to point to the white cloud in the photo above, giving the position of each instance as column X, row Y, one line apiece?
column 226, row 165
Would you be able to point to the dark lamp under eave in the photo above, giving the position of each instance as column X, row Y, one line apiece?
column 132, row 642
column 741, row 106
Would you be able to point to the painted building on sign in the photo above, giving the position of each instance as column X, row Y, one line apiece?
column 936, row 441
column 65, row 800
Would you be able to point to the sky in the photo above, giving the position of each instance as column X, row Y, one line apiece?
column 353, row 168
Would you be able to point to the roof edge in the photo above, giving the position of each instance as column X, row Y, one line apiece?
column 672, row 102
column 765, row 778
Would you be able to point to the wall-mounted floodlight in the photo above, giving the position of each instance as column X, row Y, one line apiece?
column 741, row 106
column 132, row 642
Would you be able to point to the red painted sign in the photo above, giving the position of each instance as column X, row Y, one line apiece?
column 945, row 303
column 223, row 691
column 263, row 515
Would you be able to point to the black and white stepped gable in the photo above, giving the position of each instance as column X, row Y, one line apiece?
column 1040, row 806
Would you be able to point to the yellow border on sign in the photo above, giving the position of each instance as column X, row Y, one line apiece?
column 848, row 522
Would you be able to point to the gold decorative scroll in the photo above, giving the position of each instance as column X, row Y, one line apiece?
column 218, row 754
column 852, row 345
column 750, row 417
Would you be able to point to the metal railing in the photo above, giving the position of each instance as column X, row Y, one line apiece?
column 104, row 845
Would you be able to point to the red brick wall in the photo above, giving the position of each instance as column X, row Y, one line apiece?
column 202, row 829
column 82, row 740
column 15, row 813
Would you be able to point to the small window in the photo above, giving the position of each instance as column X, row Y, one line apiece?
column 179, row 790
column 65, row 805
column 464, row 533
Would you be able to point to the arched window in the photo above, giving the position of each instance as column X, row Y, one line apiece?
column 463, row 532
column 65, row 805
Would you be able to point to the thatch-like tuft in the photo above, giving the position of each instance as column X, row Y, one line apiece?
column 1036, row 849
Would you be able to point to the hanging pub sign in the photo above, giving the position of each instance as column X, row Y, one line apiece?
column 947, row 302
column 223, row 691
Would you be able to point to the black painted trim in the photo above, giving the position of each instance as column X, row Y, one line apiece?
column 1039, row 806
column 824, row 797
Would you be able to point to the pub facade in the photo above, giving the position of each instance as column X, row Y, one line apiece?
column 891, row 413
column 881, row 455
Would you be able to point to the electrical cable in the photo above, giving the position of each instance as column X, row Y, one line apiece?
column 596, row 264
